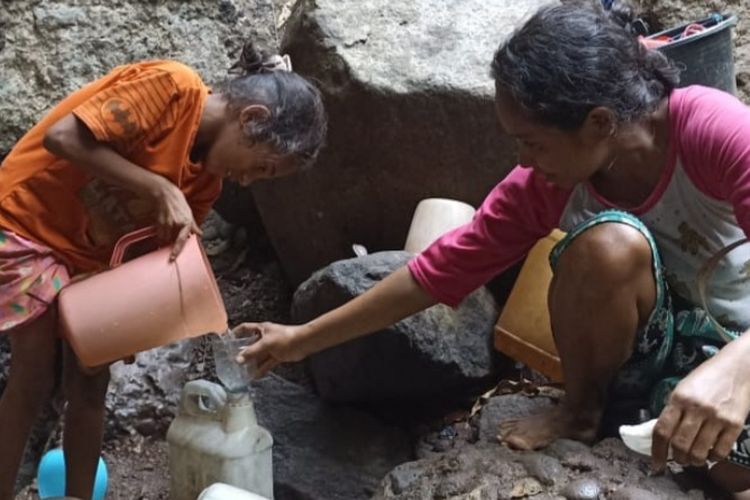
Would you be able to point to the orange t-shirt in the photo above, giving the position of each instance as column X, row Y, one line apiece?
column 148, row 112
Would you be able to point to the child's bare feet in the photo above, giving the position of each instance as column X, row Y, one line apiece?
column 538, row 431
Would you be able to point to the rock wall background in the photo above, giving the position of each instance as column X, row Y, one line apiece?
column 51, row 48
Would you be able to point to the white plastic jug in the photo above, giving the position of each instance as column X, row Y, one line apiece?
column 433, row 218
column 215, row 439
column 221, row 491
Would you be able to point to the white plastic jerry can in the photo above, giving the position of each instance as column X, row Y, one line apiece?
column 217, row 439
column 220, row 491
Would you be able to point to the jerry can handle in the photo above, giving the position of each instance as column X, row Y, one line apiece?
column 201, row 398
column 129, row 239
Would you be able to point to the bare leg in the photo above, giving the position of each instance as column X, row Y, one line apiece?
column 30, row 384
column 84, row 424
column 602, row 291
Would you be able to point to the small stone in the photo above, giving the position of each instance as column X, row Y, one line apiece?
column 147, row 426
column 465, row 432
column 403, row 476
column 582, row 489
column 573, row 455
column 448, row 432
column 507, row 407
column 543, row 467
column 442, row 445
column 564, row 447
column 526, row 487
column 663, row 485
column 633, row 493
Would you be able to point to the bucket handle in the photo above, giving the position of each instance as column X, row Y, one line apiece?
column 143, row 234
column 129, row 239
column 704, row 274
column 201, row 398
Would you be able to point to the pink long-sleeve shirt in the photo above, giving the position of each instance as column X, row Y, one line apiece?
column 700, row 205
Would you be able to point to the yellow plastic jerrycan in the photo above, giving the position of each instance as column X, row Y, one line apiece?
column 523, row 330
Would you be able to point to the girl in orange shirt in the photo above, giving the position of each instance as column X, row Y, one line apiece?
column 147, row 144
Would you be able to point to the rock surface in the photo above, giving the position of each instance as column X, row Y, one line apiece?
column 409, row 97
column 51, row 48
column 324, row 452
column 440, row 355
column 480, row 467
column 143, row 396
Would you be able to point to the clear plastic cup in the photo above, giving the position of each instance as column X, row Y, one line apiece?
column 235, row 377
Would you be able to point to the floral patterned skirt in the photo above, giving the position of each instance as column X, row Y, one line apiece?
column 30, row 279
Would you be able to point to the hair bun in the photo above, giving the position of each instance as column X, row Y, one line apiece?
column 250, row 61
column 625, row 15
column 622, row 14
column 253, row 61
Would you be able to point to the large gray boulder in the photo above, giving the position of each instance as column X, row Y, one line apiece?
column 324, row 452
column 50, row 48
column 439, row 356
column 409, row 98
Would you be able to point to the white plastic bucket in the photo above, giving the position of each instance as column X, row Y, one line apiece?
column 433, row 218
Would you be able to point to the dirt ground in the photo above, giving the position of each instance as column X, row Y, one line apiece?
column 138, row 470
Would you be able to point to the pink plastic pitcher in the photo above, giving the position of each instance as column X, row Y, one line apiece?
column 141, row 304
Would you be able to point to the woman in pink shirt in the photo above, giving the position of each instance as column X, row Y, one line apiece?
column 649, row 181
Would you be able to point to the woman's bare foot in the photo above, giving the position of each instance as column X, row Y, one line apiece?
column 538, row 431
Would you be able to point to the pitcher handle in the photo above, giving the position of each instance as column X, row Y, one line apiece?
column 129, row 239
column 201, row 398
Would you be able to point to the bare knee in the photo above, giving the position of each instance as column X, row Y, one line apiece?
column 86, row 391
column 610, row 258
column 33, row 361
column 608, row 250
